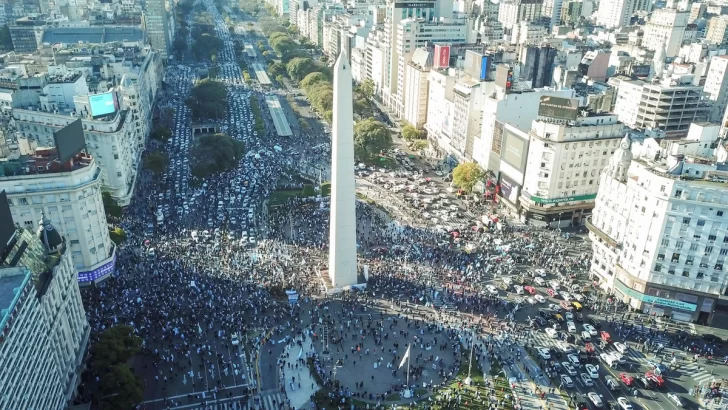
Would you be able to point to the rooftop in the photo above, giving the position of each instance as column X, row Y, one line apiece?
column 92, row 35
column 10, row 280
column 42, row 162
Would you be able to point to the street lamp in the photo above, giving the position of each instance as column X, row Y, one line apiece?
column 468, row 380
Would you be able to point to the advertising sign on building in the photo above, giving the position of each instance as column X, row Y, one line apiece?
column 559, row 108
column 442, row 56
column 504, row 77
column 473, row 60
column 415, row 5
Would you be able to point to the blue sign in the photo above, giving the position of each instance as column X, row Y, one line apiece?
column 654, row 300
column 98, row 273
column 484, row 68
column 103, row 104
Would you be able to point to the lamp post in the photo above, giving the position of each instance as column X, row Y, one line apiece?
column 468, row 380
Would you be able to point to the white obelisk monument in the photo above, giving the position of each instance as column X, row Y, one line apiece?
column 342, row 229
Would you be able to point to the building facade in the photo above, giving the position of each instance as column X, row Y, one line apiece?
column 617, row 13
column 44, row 333
column 158, row 26
column 70, row 197
column 658, row 234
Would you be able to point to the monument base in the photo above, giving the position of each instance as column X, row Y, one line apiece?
column 406, row 394
column 328, row 287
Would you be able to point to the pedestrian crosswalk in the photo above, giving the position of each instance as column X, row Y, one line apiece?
column 274, row 401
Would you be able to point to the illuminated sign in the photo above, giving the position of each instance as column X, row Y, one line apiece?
column 98, row 273
column 415, row 5
column 654, row 300
column 548, row 201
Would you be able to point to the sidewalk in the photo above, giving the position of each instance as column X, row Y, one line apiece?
column 294, row 355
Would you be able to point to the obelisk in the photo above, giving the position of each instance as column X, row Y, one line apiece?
column 342, row 229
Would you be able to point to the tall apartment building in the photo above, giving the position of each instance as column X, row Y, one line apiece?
column 658, row 233
column 69, row 195
column 566, row 153
column 716, row 87
column 617, row 13
column 159, row 27
column 717, row 32
column 27, row 33
column 666, row 26
column 668, row 106
column 512, row 12
column 416, row 91
column 44, row 333
column 551, row 9
column 423, row 22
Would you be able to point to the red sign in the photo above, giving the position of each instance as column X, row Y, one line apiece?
column 442, row 56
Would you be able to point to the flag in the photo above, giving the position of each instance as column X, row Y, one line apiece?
column 404, row 358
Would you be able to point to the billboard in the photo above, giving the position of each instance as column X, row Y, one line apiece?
column 415, row 5
column 472, row 63
column 69, row 140
column 509, row 189
column 559, row 108
column 484, row 68
column 514, row 151
column 504, row 77
column 442, row 56
column 7, row 226
column 103, row 104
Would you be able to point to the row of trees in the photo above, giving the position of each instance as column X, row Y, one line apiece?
column 208, row 100
column 320, row 93
column 257, row 114
column 118, row 387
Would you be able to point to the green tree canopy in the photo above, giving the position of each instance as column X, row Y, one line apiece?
column 282, row 44
column 207, row 46
column 156, row 162
column 409, row 132
column 116, row 346
column 276, row 69
column 371, row 137
column 300, row 67
column 321, row 96
column 366, row 89
column 120, row 389
column 110, row 206
column 312, row 79
column 215, row 153
column 208, row 99
column 466, row 175
column 161, row 133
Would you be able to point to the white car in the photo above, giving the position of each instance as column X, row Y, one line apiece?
column 591, row 329
column 596, row 399
column 586, row 380
column 541, row 272
column 579, row 297
column 544, row 353
column 569, row 316
column 592, row 370
column 624, row 403
column 568, row 368
column 586, row 336
column 566, row 381
column 554, row 284
column 675, row 399
column 621, row 347
column 531, row 300
column 566, row 296
column 492, row 289
column 564, row 347
column 540, row 299
column 551, row 332
column 507, row 281
column 571, row 327
column 539, row 281
column 574, row 359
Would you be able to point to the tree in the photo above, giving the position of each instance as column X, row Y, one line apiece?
column 321, row 97
column 161, row 133
column 208, row 100
column 466, row 175
column 276, row 69
column 110, row 206
column 215, row 153
column 207, row 46
column 293, row 29
column 312, row 79
column 156, row 162
column 298, row 68
column 366, row 89
column 116, row 345
column 117, row 235
column 371, row 137
column 410, row 133
column 6, row 42
column 282, row 44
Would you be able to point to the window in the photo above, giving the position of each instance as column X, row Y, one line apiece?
column 689, row 260
column 711, row 238
column 671, row 271
column 658, row 267
column 718, row 266
column 116, row 156
column 708, row 250
column 700, row 275
column 686, row 273
column 679, row 245
column 701, row 223
column 719, row 213
column 678, row 192
column 686, row 221
column 675, row 258
column 694, row 247
column 660, row 256
column 723, row 252
column 665, row 242
column 696, row 236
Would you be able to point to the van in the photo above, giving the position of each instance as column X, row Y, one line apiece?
column 554, row 284
column 539, row 281
column 608, row 359
column 519, row 289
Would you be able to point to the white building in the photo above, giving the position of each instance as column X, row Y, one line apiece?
column 716, row 86
column 417, row 87
column 659, row 235
column 565, row 157
column 468, row 98
column 43, row 328
column 666, row 26
column 70, row 197
column 512, row 12
column 617, row 13
column 517, row 109
column 440, row 114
